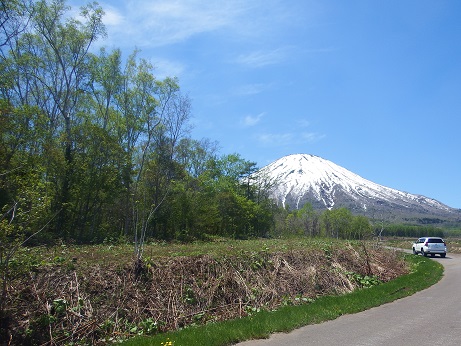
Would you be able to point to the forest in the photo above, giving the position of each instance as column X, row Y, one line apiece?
column 95, row 148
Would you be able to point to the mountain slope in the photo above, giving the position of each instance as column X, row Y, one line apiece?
column 301, row 178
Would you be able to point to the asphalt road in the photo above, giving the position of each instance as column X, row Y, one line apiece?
column 429, row 317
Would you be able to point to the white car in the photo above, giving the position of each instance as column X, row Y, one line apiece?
column 430, row 246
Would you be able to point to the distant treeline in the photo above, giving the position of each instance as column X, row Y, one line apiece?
column 335, row 223
column 410, row 231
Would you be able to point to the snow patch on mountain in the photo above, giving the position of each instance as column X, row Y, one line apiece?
column 300, row 178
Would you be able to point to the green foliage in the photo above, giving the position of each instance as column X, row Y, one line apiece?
column 364, row 281
column 189, row 296
column 411, row 231
column 335, row 223
column 59, row 307
column 148, row 327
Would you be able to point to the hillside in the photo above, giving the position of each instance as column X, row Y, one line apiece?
column 90, row 295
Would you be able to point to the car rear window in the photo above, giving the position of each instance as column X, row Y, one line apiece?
column 435, row 240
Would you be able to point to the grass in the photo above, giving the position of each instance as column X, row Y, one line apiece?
column 120, row 254
column 287, row 318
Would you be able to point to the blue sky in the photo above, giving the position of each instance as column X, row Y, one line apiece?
column 374, row 86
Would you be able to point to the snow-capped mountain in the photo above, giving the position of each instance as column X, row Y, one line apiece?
column 297, row 179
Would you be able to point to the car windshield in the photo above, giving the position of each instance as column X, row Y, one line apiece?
column 432, row 240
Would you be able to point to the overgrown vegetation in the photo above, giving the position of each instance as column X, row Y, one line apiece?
column 287, row 318
column 90, row 294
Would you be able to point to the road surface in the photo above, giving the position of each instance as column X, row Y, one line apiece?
column 429, row 317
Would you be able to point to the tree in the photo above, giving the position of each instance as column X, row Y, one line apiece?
column 20, row 220
column 14, row 18
column 98, row 154
column 242, row 213
column 105, row 84
column 153, row 118
column 46, row 67
column 361, row 228
column 196, row 155
column 309, row 219
column 336, row 223
column 62, row 51
column 108, row 140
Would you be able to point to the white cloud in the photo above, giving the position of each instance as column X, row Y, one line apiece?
column 252, row 120
column 155, row 23
column 264, row 58
column 112, row 17
column 312, row 136
column 275, row 139
column 251, row 89
column 288, row 138
column 303, row 123
column 162, row 22
column 167, row 68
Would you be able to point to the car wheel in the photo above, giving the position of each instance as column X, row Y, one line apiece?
column 414, row 252
column 423, row 253
column 443, row 255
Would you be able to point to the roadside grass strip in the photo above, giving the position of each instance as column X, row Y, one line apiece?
column 262, row 324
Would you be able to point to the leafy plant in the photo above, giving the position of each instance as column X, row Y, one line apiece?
column 364, row 281
column 148, row 326
column 189, row 296
column 59, row 307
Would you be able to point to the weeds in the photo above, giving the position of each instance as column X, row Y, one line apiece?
column 70, row 294
column 364, row 281
column 287, row 318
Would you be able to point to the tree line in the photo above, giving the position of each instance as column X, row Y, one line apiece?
column 412, row 231
column 95, row 147
column 337, row 223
